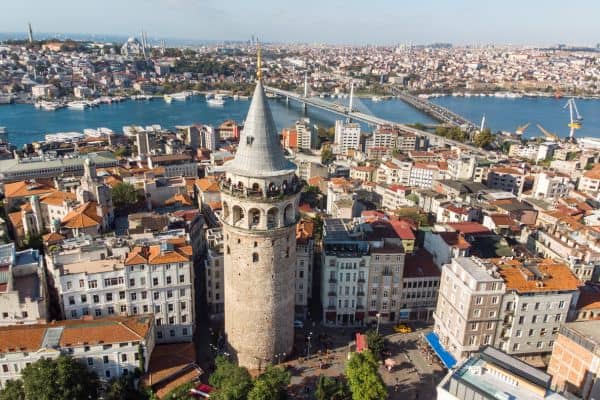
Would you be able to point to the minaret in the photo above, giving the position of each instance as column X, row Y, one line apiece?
column 30, row 32
column 260, row 195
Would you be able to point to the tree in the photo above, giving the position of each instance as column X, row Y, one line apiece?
column 413, row 197
column 327, row 156
column 271, row 385
column 124, row 194
column 232, row 382
column 123, row 388
column 483, row 138
column 60, row 379
column 329, row 388
column 363, row 378
column 13, row 390
column 375, row 343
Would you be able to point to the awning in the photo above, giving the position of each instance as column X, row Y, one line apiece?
column 443, row 354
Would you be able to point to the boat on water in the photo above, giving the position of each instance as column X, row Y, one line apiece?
column 215, row 102
column 78, row 105
column 146, row 97
column 51, row 105
column 375, row 98
column 181, row 96
column 68, row 137
column 168, row 98
column 6, row 99
column 2, row 130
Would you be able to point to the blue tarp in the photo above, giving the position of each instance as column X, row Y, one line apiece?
column 434, row 342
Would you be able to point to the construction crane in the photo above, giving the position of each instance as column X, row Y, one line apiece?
column 521, row 129
column 549, row 135
column 574, row 123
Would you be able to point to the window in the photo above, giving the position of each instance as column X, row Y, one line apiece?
column 156, row 308
column 123, row 357
column 561, row 304
column 170, row 307
column 69, row 285
column 98, row 312
column 479, row 300
column 132, row 282
column 107, row 373
column 83, row 298
column 81, row 283
column 90, row 361
column 105, row 359
column 171, row 320
column 111, row 310
column 168, row 280
column 181, row 278
column 155, row 281
column 123, row 308
column 519, row 333
column 73, row 313
column 109, row 296
column 172, row 332
column 170, row 294
column 156, row 295
column 133, row 296
column 184, row 331
column 181, row 292
column 121, row 295
column 71, row 300
column 254, row 257
column 557, row 318
column 159, row 335
column 92, row 284
column 144, row 295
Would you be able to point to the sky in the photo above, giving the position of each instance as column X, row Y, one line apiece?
column 360, row 22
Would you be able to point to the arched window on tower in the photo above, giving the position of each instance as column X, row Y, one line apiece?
column 238, row 214
column 254, row 215
column 254, row 257
column 272, row 218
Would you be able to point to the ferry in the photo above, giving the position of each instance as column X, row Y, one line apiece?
column 78, row 105
column 64, row 137
column 215, row 102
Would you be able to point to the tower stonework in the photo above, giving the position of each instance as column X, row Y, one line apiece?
column 260, row 195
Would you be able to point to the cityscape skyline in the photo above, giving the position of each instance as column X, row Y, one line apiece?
column 460, row 23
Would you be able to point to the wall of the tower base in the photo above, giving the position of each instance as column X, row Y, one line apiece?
column 259, row 294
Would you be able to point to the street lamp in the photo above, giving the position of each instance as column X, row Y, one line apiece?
column 278, row 357
column 308, row 348
column 378, row 315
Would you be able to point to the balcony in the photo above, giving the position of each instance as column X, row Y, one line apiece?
column 332, row 294
column 273, row 195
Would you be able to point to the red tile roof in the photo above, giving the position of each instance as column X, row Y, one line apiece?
column 419, row 265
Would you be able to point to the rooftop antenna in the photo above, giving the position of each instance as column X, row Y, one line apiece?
column 30, row 33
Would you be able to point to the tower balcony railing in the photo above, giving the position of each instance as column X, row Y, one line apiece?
column 258, row 194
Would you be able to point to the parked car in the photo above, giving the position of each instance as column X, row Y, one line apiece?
column 402, row 328
column 298, row 324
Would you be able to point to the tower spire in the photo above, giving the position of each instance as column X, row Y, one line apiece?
column 258, row 63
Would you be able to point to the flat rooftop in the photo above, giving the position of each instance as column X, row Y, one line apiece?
column 478, row 272
column 93, row 267
column 495, row 375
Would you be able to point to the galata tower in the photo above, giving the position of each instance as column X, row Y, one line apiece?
column 260, row 195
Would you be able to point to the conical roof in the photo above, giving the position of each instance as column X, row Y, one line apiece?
column 259, row 152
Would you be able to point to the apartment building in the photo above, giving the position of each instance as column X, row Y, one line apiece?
column 551, row 186
column 538, row 297
column 422, row 174
column 110, row 346
column 575, row 361
column 590, row 181
column 344, row 274
column 363, row 272
column 507, row 179
column 492, row 375
column 420, row 286
column 305, row 248
column 23, row 289
column 516, row 306
column 174, row 164
column 468, row 309
column 305, row 135
column 213, row 267
column 111, row 277
column 347, row 137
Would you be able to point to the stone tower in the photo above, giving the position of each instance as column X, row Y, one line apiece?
column 260, row 195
